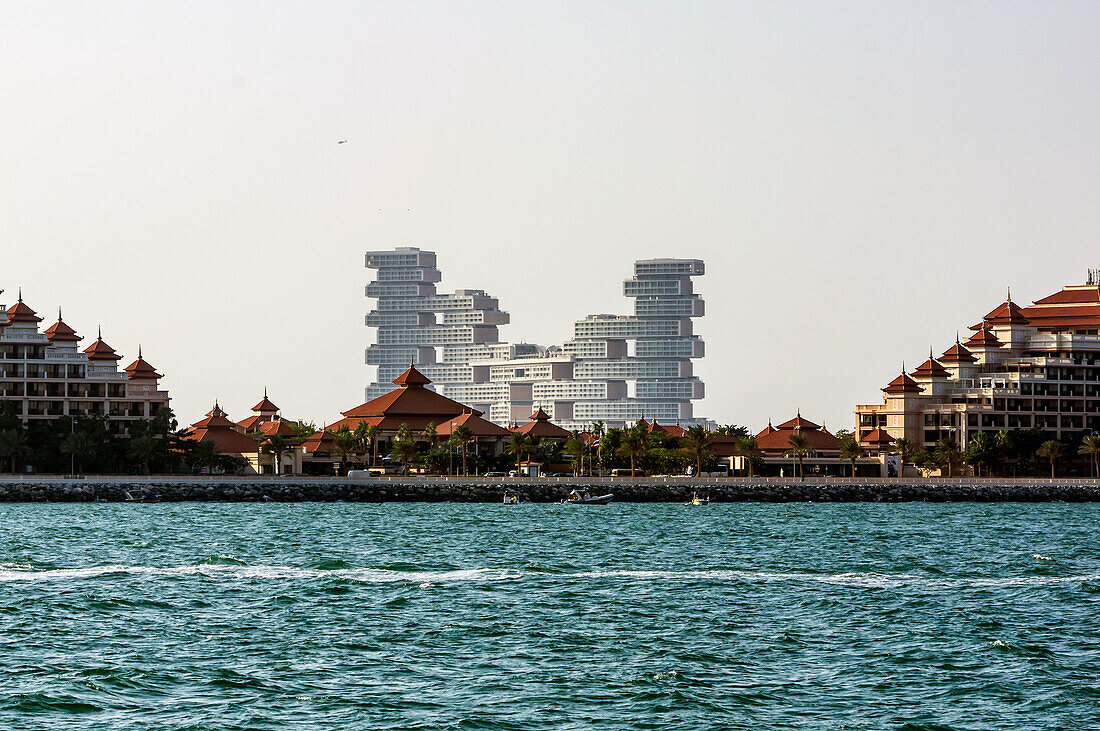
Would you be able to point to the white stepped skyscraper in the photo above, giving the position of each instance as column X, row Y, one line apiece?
column 440, row 333
column 617, row 368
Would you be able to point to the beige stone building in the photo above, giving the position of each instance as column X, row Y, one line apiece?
column 1021, row 368
column 45, row 375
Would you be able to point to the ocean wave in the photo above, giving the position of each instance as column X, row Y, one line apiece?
column 485, row 575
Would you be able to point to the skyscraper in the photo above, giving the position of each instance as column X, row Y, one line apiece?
column 440, row 333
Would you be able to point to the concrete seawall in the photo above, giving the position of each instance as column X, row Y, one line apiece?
column 226, row 489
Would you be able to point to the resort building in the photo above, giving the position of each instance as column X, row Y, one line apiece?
column 245, row 439
column 45, row 374
column 1034, row 367
column 617, row 369
column 415, row 406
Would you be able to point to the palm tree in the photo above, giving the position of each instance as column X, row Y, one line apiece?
column 598, row 430
column 404, row 451
column 343, row 444
column 79, row 446
column 903, row 448
column 698, row 442
column 635, row 443
column 13, row 446
column 574, row 448
column 366, row 436
column 947, row 453
column 517, row 444
column 276, row 446
column 800, row 448
column 851, row 451
column 431, row 434
column 462, row 437
column 143, row 449
column 1052, row 450
column 747, row 448
column 1090, row 447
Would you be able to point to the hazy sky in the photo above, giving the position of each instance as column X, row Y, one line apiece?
column 862, row 179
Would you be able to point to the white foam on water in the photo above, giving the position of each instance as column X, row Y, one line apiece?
column 424, row 579
column 1040, row 557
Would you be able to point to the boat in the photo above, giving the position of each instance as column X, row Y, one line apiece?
column 576, row 498
column 696, row 500
column 511, row 499
column 145, row 499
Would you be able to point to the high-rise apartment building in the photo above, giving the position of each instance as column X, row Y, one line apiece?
column 440, row 333
column 616, row 368
column 45, row 375
column 1022, row 368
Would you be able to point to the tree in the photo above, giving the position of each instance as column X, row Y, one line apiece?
column 947, row 453
column 431, row 434
column 276, row 446
column 634, row 444
column 366, row 438
column 462, row 437
column 733, row 430
column 144, row 449
column 1050, row 449
column 903, row 448
column 850, row 450
column 1090, row 447
column 343, row 445
column 698, row 442
column 982, row 449
column 747, row 448
column 517, row 445
column 574, row 448
column 13, row 446
column 800, row 448
column 405, row 452
column 79, row 446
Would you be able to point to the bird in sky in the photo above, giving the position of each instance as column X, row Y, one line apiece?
column 341, row 142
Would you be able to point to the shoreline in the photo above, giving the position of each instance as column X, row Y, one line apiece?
column 27, row 489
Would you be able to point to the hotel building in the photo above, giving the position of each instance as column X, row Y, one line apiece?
column 45, row 375
column 617, row 368
column 1022, row 368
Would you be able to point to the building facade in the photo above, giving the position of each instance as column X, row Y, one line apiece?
column 1034, row 367
column 45, row 375
column 441, row 333
column 617, row 369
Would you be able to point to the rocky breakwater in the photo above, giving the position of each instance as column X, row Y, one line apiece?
column 169, row 489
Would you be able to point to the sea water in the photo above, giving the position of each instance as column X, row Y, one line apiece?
column 446, row 616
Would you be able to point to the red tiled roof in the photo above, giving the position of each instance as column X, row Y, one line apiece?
column 1007, row 312
column 216, row 428
column 931, row 369
column 478, row 427
column 778, row 441
column 277, row 427
column 265, row 405
column 798, row 423
column 19, row 312
column 958, row 354
column 984, row 338
column 141, row 370
column 321, row 441
column 100, row 350
column 252, row 423
column 411, row 377
column 540, row 426
column 767, row 430
column 1073, row 307
column 59, row 332
column 878, row 436
column 1080, row 294
column 903, row 384
column 409, row 402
